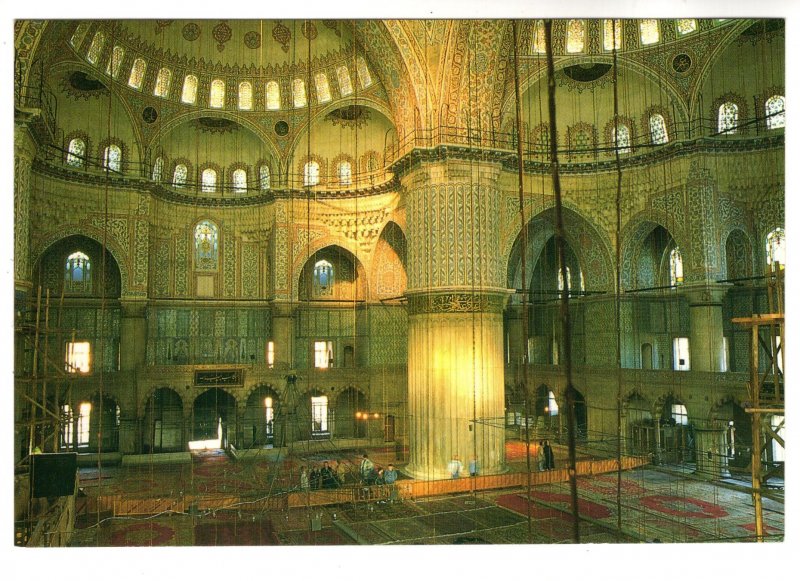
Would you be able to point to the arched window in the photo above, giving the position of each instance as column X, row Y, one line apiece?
column 561, row 280
column 323, row 278
column 76, row 152
column 612, row 34
column 158, row 169
column 208, row 181
column 299, row 93
column 323, row 88
column 775, row 108
column 137, row 74
column 686, row 25
column 273, row 96
column 263, row 178
column 239, row 181
column 552, row 404
column 776, row 249
column 311, row 173
column 115, row 61
column 78, row 272
column 727, row 118
column 245, row 96
column 344, row 170
column 80, row 32
column 622, row 138
column 575, row 36
column 345, row 85
column 648, row 29
column 179, row 176
column 216, row 98
column 162, row 83
column 112, row 158
column 206, row 245
column 96, row 47
column 537, row 40
column 363, row 73
column 675, row 267
column 189, row 93
column 658, row 129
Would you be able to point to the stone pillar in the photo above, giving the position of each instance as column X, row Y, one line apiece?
column 706, row 349
column 283, row 335
column 710, row 451
column 132, row 334
column 24, row 152
column 456, row 296
column 657, row 439
column 127, row 432
column 515, row 341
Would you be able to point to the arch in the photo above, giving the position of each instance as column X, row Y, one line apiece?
column 739, row 257
column 581, row 415
column 163, row 416
column 388, row 265
column 213, row 408
column 591, row 248
column 350, row 401
column 103, row 421
column 328, row 248
column 257, row 429
column 633, row 238
column 141, row 405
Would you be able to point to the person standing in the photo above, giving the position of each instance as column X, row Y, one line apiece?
column 367, row 470
column 305, row 485
column 327, row 476
column 540, row 460
column 455, row 467
column 549, row 460
column 473, row 467
column 340, row 472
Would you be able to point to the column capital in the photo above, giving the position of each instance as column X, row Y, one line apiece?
column 133, row 307
column 457, row 300
column 705, row 293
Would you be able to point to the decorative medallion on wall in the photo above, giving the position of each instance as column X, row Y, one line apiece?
column 333, row 25
column 352, row 116
column 162, row 24
column 309, row 30
column 252, row 39
column 191, row 31
column 281, row 128
column 149, row 114
column 681, row 63
column 282, row 35
column 79, row 85
column 222, row 34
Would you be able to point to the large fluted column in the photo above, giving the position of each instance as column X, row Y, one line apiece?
column 706, row 348
column 455, row 330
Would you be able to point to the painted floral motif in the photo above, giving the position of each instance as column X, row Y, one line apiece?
column 222, row 34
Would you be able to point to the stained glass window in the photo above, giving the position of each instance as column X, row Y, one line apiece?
column 311, row 174
column 208, row 180
column 273, row 96
column 78, row 272
column 206, row 245
column 189, row 94
column 575, row 36
column 240, row 181
column 622, row 138
column 345, row 85
column 162, row 82
column 158, row 169
column 299, row 93
column 675, row 267
column 264, row 177
column 345, row 173
column 323, row 88
column 96, row 47
column 648, row 29
column 612, row 34
column 776, row 249
column 216, row 98
column 115, row 61
column 112, row 158
column 323, row 278
column 179, row 176
column 363, row 73
column 245, row 96
column 775, row 108
column 76, row 152
column 537, row 40
column 658, row 129
column 137, row 73
column 686, row 25
column 727, row 118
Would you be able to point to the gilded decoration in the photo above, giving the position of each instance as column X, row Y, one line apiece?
column 457, row 302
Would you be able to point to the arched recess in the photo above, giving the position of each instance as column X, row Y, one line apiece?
column 729, row 414
column 589, row 248
column 545, row 408
column 348, row 424
column 162, row 422
column 99, row 278
column 67, row 231
column 98, row 432
column 261, row 417
column 739, row 258
column 316, row 418
column 645, row 244
column 347, row 283
column 639, row 430
column 581, row 416
column 677, row 433
column 214, row 414
column 389, row 279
